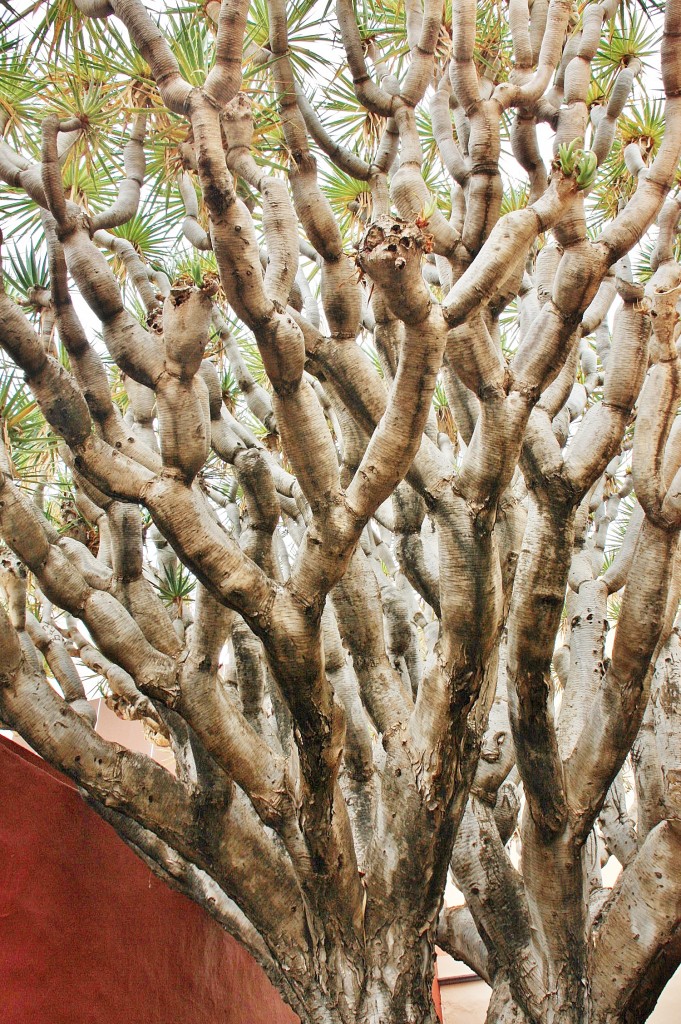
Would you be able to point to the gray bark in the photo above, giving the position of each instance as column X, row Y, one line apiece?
column 374, row 636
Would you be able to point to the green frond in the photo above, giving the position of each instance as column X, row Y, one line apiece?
column 25, row 270
column 29, row 441
column 176, row 586
column 148, row 233
column 193, row 265
column 230, row 388
column 60, row 24
column 192, row 42
column 25, row 215
column 643, row 125
column 515, row 198
column 19, row 86
column 629, row 35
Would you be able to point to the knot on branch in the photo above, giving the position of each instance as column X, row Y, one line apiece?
column 187, row 316
column 390, row 254
column 237, row 122
column 661, row 301
column 388, row 239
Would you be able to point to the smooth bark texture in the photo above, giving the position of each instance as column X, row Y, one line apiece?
column 340, row 500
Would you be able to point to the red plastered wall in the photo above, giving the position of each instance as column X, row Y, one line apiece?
column 88, row 935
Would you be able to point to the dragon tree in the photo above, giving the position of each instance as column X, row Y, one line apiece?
column 340, row 447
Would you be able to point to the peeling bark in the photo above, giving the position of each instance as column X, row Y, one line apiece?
column 335, row 534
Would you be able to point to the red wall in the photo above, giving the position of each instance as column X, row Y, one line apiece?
column 88, row 935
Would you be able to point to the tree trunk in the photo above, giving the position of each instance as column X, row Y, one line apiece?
column 393, row 988
column 323, row 665
column 503, row 1009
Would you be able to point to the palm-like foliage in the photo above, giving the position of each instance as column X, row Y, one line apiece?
column 81, row 68
column 176, row 587
column 25, row 433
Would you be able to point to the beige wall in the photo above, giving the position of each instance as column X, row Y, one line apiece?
column 128, row 734
column 668, row 1009
column 466, row 1002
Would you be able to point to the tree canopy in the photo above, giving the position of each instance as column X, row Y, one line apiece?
column 340, row 447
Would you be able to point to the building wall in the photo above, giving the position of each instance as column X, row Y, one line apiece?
column 464, row 1003
column 88, row 935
